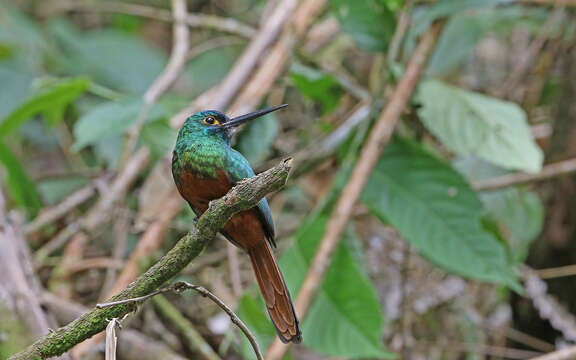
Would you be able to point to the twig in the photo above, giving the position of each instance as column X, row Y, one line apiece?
column 563, row 354
column 553, row 273
column 52, row 214
column 549, row 171
column 102, row 210
column 20, row 289
column 243, row 196
column 183, row 285
column 192, row 20
column 121, row 230
column 368, row 158
column 527, row 58
column 175, row 65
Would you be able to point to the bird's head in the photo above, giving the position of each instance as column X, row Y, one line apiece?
column 218, row 125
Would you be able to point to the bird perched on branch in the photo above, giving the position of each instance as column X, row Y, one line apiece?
column 205, row 167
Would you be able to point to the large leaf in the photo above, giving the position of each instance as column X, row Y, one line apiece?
column 21, row 188
column 109, row 119
column 57, row 95
column 16, row 83
column 256, row 140
column 370, row 22
column 433, row 207
column 116, row 59
column 472, row 123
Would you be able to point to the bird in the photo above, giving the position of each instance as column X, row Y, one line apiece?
column 205, row 167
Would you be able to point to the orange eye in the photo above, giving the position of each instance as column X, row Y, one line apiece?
column 210, row 120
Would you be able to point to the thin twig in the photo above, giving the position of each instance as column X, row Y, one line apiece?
column 562, row 354
column 527, row 59
column 183, row 285
column 175, row 65
column 368, row 158
column 549, row 171
column 557, row 272
column 52, row 214
column 218, row 23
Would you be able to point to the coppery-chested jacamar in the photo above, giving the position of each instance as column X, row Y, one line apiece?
column 205, row 167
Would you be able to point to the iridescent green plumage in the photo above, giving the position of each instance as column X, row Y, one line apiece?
column 205, row 168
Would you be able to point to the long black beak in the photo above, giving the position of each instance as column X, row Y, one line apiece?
column 239, row 120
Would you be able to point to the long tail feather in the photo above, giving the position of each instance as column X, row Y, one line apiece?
column 275, row 292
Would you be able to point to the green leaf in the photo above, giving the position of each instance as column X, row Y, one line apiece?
column 109, row 119
column 20, row 187
column 57, row 95
column 472, row 123
column 116, row 59
column 520, row 216
column 369, row 22
column 316, row 85
column 345, row 320
column 433, row 207
column 256, row 139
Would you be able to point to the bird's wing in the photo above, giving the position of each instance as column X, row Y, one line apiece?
column 239, row 168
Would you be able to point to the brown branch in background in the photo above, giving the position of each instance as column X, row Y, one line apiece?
column 183, row 285
column 556, row 272
column 60, row 283
column 102, row 210
column 148, row 243
column 54, row 213
column 175, row 65
column 549, row 171
column 217, row 23
column 562, row 354
column 220, row 96
column 368, row 158
column 20, row 289
column 526, row 60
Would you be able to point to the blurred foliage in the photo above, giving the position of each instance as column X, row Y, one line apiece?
column 71, row 91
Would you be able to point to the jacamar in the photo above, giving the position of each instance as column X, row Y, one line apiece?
column 205, row 167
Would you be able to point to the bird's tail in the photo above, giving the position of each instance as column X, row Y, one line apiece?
column 275, row 292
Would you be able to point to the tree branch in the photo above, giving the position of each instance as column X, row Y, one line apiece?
column 243, row 196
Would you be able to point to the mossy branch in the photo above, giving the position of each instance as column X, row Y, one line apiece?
column 243, row 196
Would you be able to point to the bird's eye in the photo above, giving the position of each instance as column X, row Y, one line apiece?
column 210, row 120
